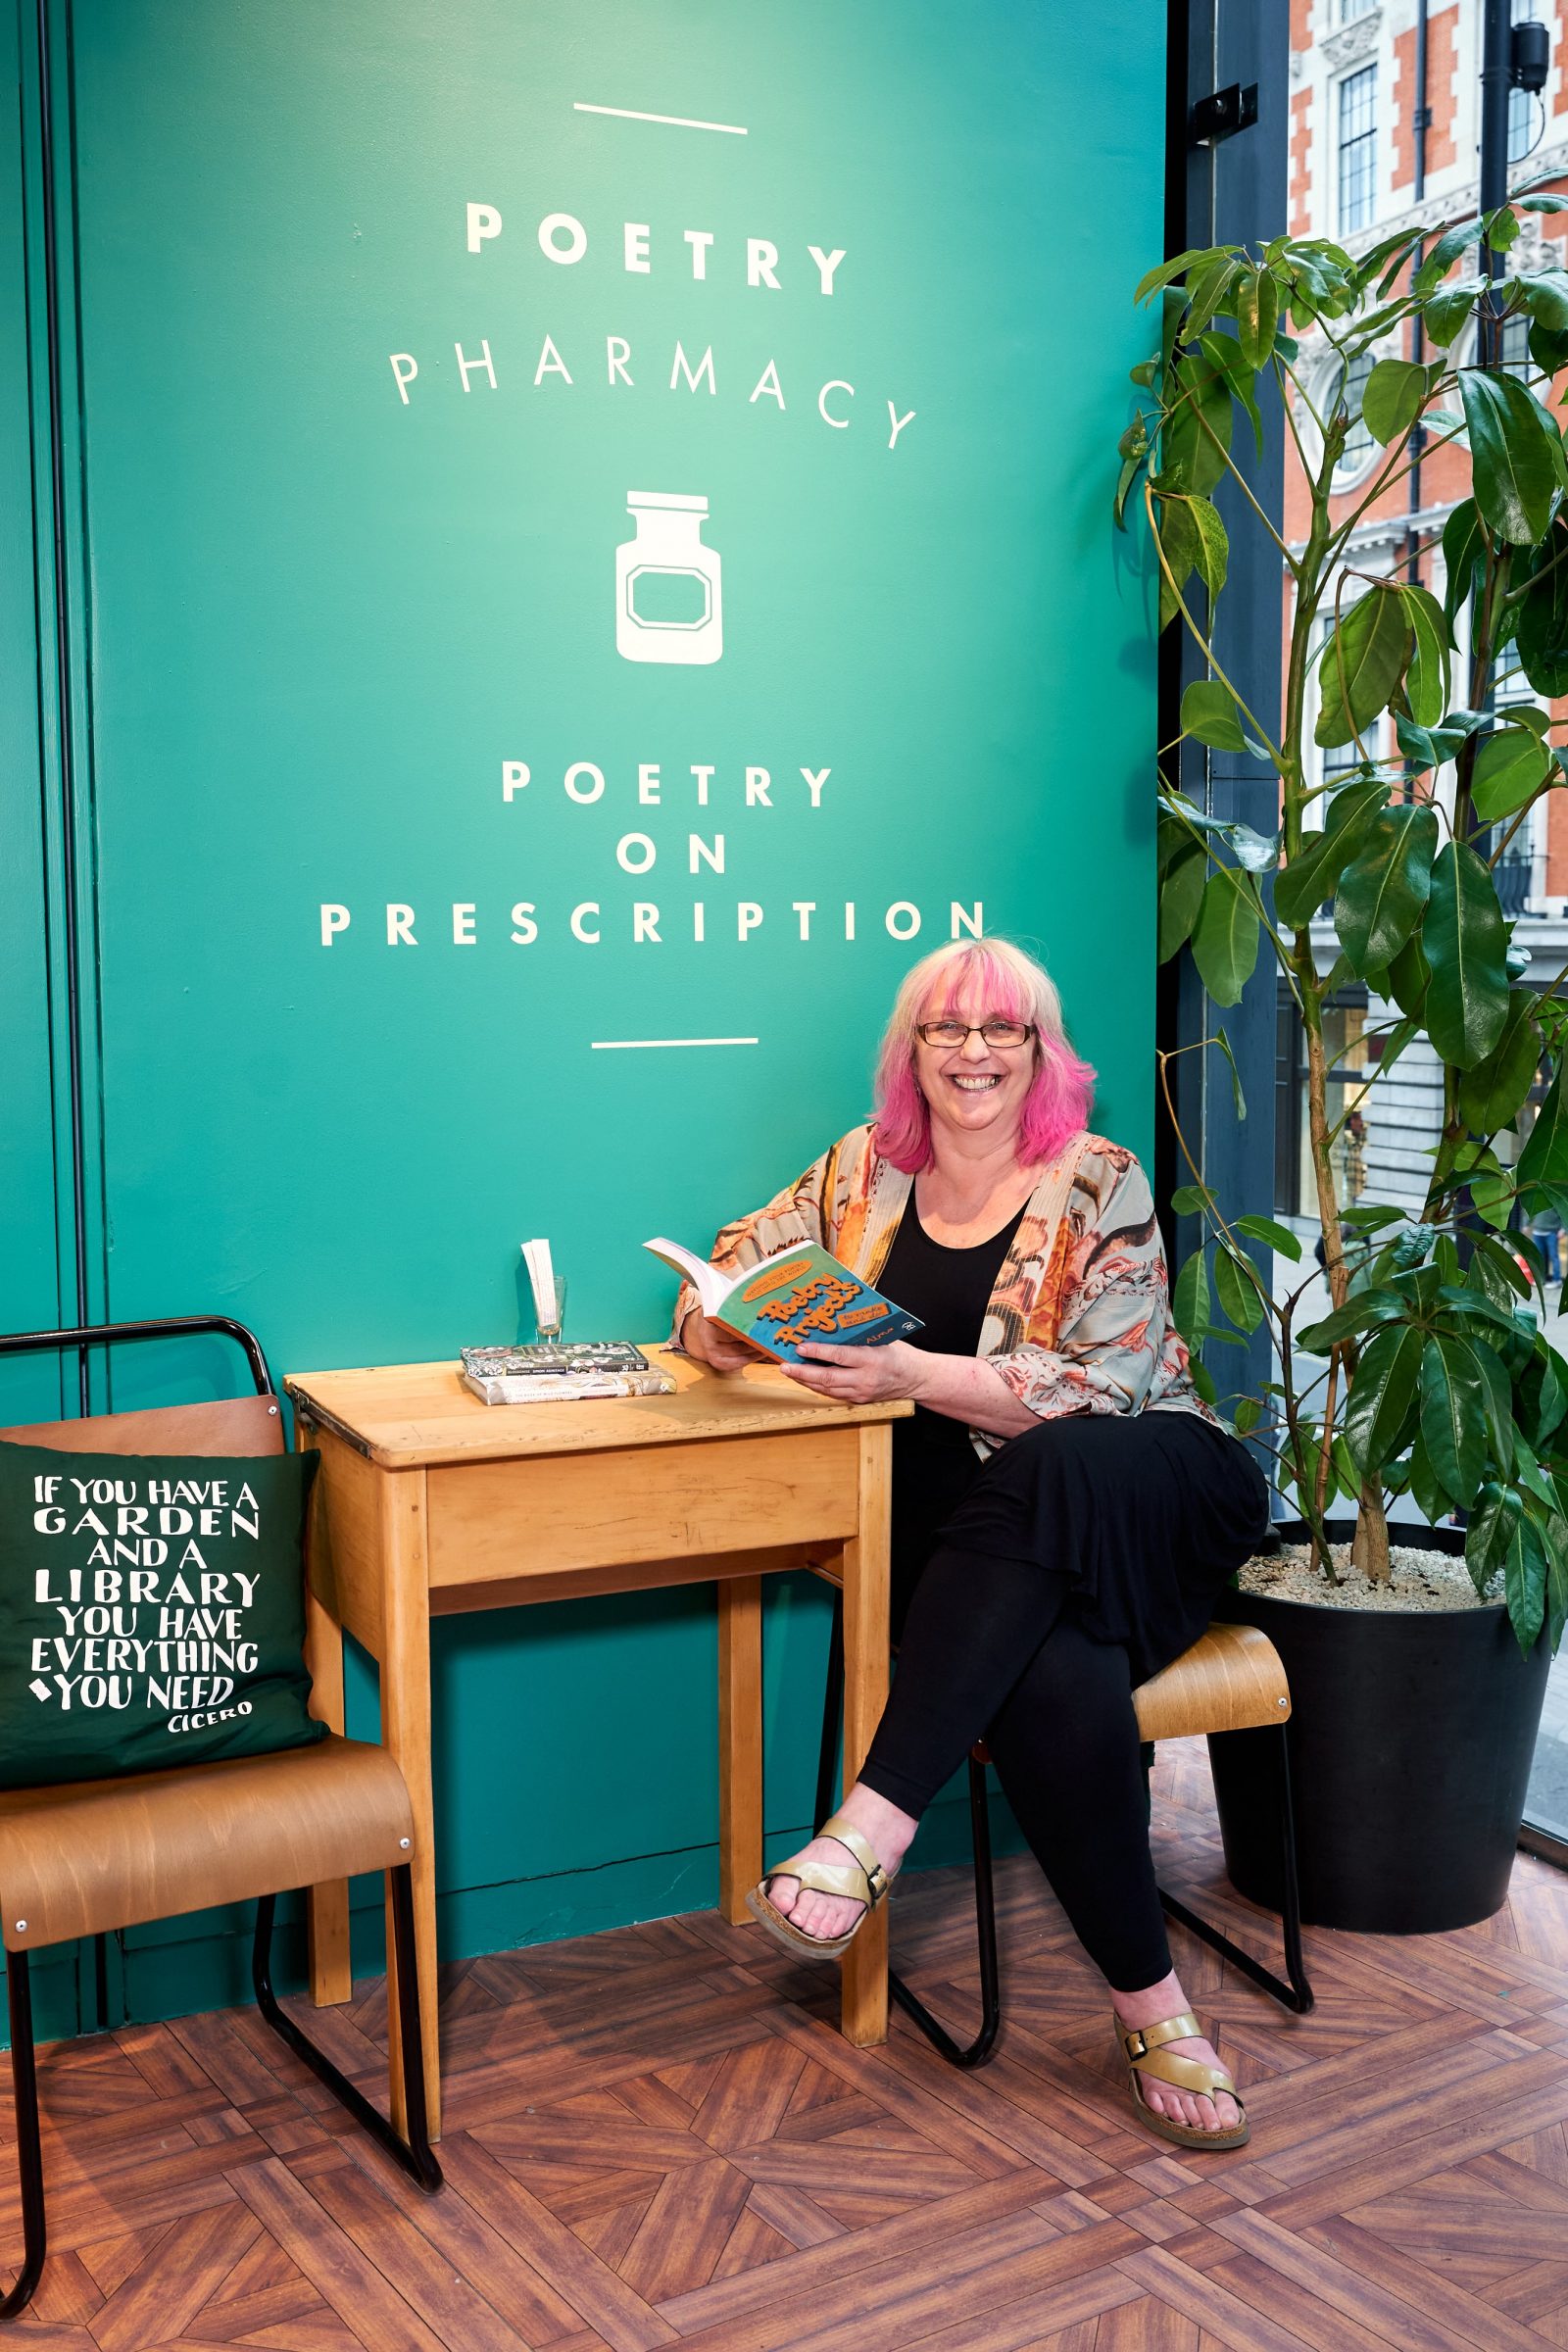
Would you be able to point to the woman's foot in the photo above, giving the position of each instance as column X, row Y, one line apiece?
column 1151, row 2007
column 826, row 1917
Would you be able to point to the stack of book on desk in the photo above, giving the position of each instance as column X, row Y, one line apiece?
column 555, row 1372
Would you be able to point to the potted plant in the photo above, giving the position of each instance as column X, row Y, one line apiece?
column 1430, row 1376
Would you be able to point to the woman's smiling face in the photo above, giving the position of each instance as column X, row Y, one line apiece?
column 973, row 1088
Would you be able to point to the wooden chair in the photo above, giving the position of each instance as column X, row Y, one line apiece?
column 1231, row 1680
column 94, row 1855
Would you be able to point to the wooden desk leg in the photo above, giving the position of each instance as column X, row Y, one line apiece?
column 406, row 1731
column 740, row 1742
column 326, row 1909
column 864, row 1993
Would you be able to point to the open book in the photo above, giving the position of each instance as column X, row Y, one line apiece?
column 799, row 1294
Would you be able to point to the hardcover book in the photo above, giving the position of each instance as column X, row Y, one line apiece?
column 799, row 1294
column 556, row 1372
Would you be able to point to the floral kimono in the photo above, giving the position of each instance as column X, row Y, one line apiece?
column 1078, row 1321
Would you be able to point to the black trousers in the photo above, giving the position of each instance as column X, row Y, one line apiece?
column 1086, row 1556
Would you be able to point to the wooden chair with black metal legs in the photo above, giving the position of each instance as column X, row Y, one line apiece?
column 1231, row 1680
column 81, row 1859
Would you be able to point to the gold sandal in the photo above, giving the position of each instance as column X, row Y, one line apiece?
column 1142, row 2046
column 863, row 1879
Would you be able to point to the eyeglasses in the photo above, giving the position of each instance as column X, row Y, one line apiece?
column 1001, row 1036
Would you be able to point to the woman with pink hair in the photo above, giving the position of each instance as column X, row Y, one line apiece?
column 1066, row 1508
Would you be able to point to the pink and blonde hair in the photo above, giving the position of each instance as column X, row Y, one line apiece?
column 1004, row 983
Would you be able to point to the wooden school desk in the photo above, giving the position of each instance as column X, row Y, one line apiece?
column 429, row 1501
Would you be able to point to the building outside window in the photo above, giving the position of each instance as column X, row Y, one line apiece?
column 1358, row 149
column 1354, row 153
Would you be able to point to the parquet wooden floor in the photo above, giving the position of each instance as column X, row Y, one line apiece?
column 654, row 2137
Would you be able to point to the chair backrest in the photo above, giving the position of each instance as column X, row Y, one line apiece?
column 237, row 1425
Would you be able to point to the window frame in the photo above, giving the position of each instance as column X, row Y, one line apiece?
column 1362, row 144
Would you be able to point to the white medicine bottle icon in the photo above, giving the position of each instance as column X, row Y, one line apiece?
column 668, row 592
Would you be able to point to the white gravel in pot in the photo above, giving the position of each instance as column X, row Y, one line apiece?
column 1422, row 1580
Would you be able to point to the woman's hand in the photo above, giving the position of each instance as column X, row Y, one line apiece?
column 860, row 1375
column 723, row 1350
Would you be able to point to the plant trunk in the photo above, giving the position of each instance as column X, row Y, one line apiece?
column 1370, row 1549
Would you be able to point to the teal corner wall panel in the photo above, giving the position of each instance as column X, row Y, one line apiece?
column 423, row 817
column 30, row 1288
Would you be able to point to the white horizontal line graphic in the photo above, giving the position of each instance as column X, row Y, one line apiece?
column 631, row 114
column 639, row 1044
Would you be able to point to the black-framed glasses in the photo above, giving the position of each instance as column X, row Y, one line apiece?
column 1003, row 1037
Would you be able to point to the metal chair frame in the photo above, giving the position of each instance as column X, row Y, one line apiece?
column 416, row 2155
column 1293, row 1989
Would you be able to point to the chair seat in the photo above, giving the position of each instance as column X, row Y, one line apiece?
column 1231, row 1680
column 92, row 1855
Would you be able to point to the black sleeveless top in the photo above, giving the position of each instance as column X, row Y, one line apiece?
column 950, row 1289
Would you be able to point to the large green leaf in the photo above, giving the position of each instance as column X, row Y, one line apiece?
column 1162, row 275
column 1198, row 432
column 1542, row 630
column 1181, row 547
column 1426, row 682
column 1490, row 1095
column 1384, row 887
column 1524, row 1580
column 1225, row 936
column 1257, row 310
column 1510, row 770
column 1395, row 392
column 1464, row 551
column 1214, row 545
column 1487, row 1536
column 1360, row 664
column 1545, row 1158
column 1384, row 1397
column 1453, row 1415
column 1190, row 1307
column 1409, row 979
column 1465, row 942
column 1546, row 297
column 1238, row 1094
column 1447, row 313
column 1515, row 453
column 1430, row 747
column 1312, row 875
column 1238, row 1290
column 1543, row 1395
column 1431, row 1498
column 1207, row 289
column 1549, row 348
column 1173, row 839
column 1209, row 712
column 1181, row 894
column 1273, row 1235
column 1362, row 1312
column 1227, row 354
column 1444, row 253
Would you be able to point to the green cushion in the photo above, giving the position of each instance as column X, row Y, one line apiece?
column 152, row 1611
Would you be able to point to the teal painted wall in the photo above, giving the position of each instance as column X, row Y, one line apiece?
column 328, row 599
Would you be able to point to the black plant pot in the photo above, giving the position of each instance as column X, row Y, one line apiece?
column 1410, row 1739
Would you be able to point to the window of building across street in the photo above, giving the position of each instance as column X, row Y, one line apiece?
column 1358, row 93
